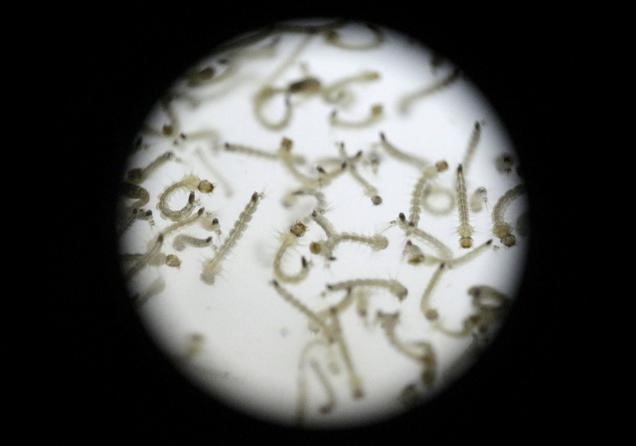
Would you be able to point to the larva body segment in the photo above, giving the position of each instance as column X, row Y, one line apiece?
column 407, row 101
column 183, row 222
column 393, row 286
column 376, row 242
column 211, row 267
column 326, row 385
column 399, row 155
column 336, row 93
column 478, row 199
column 182, row 240
column 134, row 191
column 355, row 382
column 259, row 153
column 501, row 228
column 465, row 229
column 139, row 175
column 428, row 173
column 291, row 197
column 263, row 97
column 332, row 37
column 376, row 112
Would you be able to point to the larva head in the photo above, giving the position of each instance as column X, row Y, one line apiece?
column 387, row 320
column 466, row 242
column 321, row 170
column 203, row 74
column 401, row 292
column 377, row 110
column 167, row 130
column 315, row 247
column 173, row 261
column 380, row 242
column 332, row 36
column 441, row 166
column 298, row 229
column 286, row 144
column 205, row 186
column 376, row 200
column 402, row 217
column 431, row 314
column 509, row 240
column 191, row 197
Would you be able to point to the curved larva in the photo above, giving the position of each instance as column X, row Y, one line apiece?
column 428, row 173
column 332, row 37
column 211, row 267
column 376, row 113
column 139, row 175
column 407, row 101
column 350, row 165
column 444, row 251
column 225, row 184
column 325, row 224
column 285, row 155
column 478, row 198
column 259, row 153
column 134, row 191
column 290, row 199
column 355, row 382
column 143, row 261
column 326, row 385
column 425, row 355
column 290, row 240
column 393, row 286
column 183, row 222
column 312, row 316
column 465, row 229
column 473, row 142
column 501, row 228
column 189, row 182
column 336, row 92
column 399, row 155
column 431, row 190
column 262, row 99
column 210, row 223
column 180, row 241
column 156, row 287
column 425, row 303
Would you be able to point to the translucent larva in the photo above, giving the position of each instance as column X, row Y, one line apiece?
column 173, row 261
column 425, row 303
column 478, row 199
column 443, row 250
column 350, row 165
column 465, row 230
column 376, row 112
column 225, row 184
column 183, row 222
column 290, row 240
column 501, row 228
column 332, row 37
column 182, row 240
column 326, row 385
column 301, row 404
column 430, row 191
column 259, row 153
column 286, row 156
column 321, row 203
column 211, row 267
column 139, row 175
column 415, row 255
column 189, row 182
column 337, row 92
column 134, row 191
column 473, row 142
column 261, row 100
column 428, row 173
column 400, row 155
column 355, row 382
column 407, row 101
column 393, row 286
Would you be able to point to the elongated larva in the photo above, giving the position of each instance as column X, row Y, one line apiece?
column 312, row 316
column 211, row 267
column 478, row 199
column 325, row 224
column 504, row 163
column 183, row 222
column 501, row 228
column 210, row 223
column 354, row 380
column 289, row 240
column 369, row 190
column 393, row 286
column 260, row 153
column 376, row 242
column 424, row 354
column 425, row 303
column 443, row 250
column 376, row 113
column 302, row 382
column 139, row 175
column 465, row 229
column 473, row 142
column 332, row 37
column 143, row 261
column 407, row 101
column 290, row 198
column 189, row 182
column 336, row 92
column 156, row 287
column 134, row 191
column 415, row 256
column 431, row 190
column 180, row 241
column 523, row 224
column 225, row 184
column 428, row 174
column 399, row 155
column 326, row 385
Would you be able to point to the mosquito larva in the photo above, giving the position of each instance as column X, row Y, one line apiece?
column 180, row 241
column 285, row 154
column 444, row 251
column 177, row 214
column 183, row 222
column 143, row 261
column 488, row 298
column 406, row 102
column 302, row 383
column 308, row 86
column 156, row 287
column 393, row 286
column 325, row 224
column 262, row 99
column 523, row 224
column 415, row 256
column 473, row 142
column 134, row 191
column 333, row 38
column 376, row 112
column 501, row 228
column 504, row 163
column 429, row 312
column 336, row 93
column 290, row 198
column 139, row 175
column 377, row 242
column 189, row 182
column 465, row 229
column 354, row 380
column 170, row 130
column 428, row 174
column 211, row 267
column 478, row 198
column 290, row 239
column 326, row 385
column 259, row 153
column 399, row 155
column 219, row 176
column 432, row 190
column 369, row 190
column 311, row 315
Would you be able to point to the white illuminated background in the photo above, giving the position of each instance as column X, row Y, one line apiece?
column 251, row 338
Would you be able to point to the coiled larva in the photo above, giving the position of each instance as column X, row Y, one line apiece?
column 289, row 240
column 189, row 182
column 428, row 173
column 432, row 190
